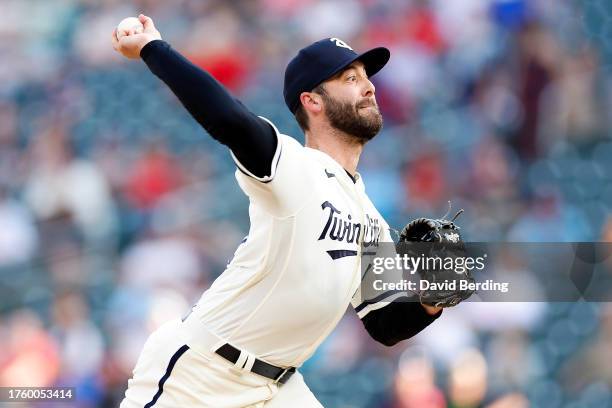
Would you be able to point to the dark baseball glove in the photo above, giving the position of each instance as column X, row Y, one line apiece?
column 439, row 245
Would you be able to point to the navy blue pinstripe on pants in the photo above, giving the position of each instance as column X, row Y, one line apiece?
column 171, row 364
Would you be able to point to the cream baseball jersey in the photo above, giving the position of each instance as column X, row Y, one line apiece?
column 292, row 278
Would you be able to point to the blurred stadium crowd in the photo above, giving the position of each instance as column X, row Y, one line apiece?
column 117, row 210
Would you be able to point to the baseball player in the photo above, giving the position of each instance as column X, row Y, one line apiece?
column 292, row 278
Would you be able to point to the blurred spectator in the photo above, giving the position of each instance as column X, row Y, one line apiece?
column 153, row 175
column 468, row 379
column 11, row 165
column 30, row 356
column 591, row 362
column 538, row 62
column 511, row 361
column 75, row 332
column 415, row 384
column 606, row 236
column 425, row 181
column 571, row 107
column 548, row 217
column 214, row 43
column 18, row 234
column 164, row 262
column 61, row 184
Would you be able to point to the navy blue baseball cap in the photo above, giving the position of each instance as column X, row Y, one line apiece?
column 322, row 60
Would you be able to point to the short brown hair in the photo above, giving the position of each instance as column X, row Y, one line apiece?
column 300, row 113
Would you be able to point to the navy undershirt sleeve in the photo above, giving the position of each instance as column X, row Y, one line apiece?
column 399, row 320
column 252, row 140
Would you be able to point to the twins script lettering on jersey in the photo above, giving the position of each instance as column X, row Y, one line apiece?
column 342, row 228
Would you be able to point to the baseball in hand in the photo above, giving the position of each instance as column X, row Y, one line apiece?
column 128, row 24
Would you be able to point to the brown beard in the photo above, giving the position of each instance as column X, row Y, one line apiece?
column 345, row 117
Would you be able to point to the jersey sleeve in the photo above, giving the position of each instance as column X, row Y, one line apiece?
column 285, row 190
column 396, row 320
column 393, row 315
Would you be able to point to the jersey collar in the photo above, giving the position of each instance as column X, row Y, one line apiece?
column 332, row 165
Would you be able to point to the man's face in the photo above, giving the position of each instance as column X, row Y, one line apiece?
column 350, row 104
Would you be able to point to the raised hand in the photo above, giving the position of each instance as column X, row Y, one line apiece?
column 131, row 43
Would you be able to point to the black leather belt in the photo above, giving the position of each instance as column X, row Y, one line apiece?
column 278, row 374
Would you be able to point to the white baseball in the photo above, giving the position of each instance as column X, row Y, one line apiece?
column 127, row 24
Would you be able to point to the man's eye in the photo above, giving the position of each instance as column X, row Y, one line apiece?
column 352, row 78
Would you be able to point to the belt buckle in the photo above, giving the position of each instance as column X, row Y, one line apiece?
column 282, row 374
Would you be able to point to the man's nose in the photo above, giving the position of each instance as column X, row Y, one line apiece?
column 369, row 89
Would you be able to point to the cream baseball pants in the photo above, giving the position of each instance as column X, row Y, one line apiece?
column 171, row 374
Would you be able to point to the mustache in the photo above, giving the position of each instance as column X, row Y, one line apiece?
column 367, row 103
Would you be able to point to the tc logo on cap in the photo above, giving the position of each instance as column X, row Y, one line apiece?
column 340, row 43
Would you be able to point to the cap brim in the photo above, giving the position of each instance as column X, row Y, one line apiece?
column 374, row 60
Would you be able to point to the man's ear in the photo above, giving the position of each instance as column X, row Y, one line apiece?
column 311, row 101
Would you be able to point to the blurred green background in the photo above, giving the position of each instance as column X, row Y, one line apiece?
column 117, row 211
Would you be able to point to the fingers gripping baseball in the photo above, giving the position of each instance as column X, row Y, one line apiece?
column 132, row 34
column 147, row 23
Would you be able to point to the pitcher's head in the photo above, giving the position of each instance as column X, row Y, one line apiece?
column 328, row 81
